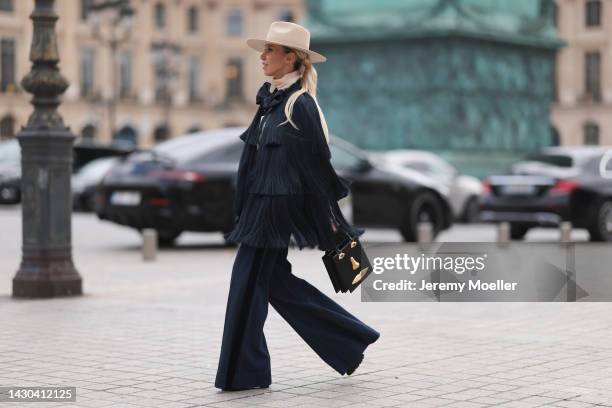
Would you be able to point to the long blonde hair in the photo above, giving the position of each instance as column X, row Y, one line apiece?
column 308, row 83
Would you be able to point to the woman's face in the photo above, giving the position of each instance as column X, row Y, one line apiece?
column 275, row 61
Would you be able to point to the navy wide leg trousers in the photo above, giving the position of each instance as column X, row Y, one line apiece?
column 262, row 275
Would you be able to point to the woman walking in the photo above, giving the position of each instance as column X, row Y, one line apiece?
column 286, row 190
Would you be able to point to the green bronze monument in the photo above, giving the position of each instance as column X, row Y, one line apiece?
column 472, row 80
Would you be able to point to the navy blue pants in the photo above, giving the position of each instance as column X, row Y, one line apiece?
column 262, row 275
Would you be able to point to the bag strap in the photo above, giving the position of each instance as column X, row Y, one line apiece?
column 335, row 220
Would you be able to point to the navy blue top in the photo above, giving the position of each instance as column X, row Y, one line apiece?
column 287, row 190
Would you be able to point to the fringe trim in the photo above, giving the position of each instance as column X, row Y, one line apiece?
column 270, row 221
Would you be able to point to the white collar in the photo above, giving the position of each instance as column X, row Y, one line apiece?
column 285, row 81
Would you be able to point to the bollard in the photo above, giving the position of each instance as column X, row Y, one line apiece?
column 503, row 233
column 149, row 244
column 424, row 232
column 565, row 231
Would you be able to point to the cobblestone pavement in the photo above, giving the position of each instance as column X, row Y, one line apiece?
column 148, row 335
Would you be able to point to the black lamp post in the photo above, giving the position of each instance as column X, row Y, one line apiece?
column 112, row 23
column 46, row 268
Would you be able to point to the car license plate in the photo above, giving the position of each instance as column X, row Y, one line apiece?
column 519, row 189
column 125, row 198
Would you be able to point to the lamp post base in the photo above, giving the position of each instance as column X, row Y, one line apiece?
column 47, row 276
column 46, row 288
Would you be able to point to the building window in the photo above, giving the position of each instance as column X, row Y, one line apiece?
column 593, row 13
column 6, row 5
column 286, row 15
column 161, row 133
column 234, row 23
column 7, row 127
column 88, row 59
column 7, row 65
column 194, row 78
column 85, row 9
column 162, row 92
column 160, row 16
column 233, row 77
column 88, row 133
column 194, row 129
column 193, row 17
column 593, row 76
column 126, row 136
column 591, row 134
column 125, row 73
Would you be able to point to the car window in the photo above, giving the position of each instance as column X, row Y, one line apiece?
column 603, row 165
column 342, row 159
column 10, row 152
column 441, row 167
column 558, row 160
column 98, row 167
column 189, row 148
column 419, row 166
column 226, row 154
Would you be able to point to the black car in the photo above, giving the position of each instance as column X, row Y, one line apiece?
column 10, row 164
column 188, row 184
column 558, row 184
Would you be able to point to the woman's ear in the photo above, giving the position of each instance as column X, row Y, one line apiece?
column 290, row 58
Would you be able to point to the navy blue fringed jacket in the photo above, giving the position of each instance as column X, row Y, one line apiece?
column 286, row 185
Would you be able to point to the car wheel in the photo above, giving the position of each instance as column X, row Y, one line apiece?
column 167, row 238
column 425, row 208
column 518, row 231
column 471, row 211
column 601, row 228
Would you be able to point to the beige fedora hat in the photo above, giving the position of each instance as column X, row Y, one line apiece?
column 290, row 35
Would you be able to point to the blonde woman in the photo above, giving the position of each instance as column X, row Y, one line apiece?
column 286, row 190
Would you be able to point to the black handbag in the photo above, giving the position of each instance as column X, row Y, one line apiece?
column 347, row 265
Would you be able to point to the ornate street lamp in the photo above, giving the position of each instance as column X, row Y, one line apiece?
column 112, row 22
column 166, row 58
column 46, row 268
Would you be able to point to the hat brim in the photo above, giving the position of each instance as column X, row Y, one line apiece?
column 259, row 45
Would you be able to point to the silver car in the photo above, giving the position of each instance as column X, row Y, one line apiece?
column 463, row 191
column 85, row 181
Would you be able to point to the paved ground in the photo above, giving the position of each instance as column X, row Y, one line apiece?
column 148, row 335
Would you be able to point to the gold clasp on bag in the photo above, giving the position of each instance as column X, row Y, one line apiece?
column 354, row 263
column 360, row 275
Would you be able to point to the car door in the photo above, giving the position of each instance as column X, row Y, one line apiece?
column 370, row 197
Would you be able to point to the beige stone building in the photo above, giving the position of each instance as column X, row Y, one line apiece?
column 208, row 81
column 582, row 113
